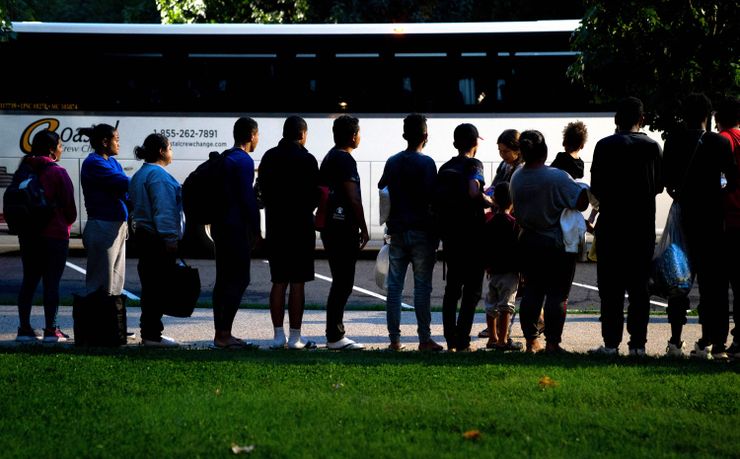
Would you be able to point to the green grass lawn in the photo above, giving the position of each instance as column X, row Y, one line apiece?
column 147, row 403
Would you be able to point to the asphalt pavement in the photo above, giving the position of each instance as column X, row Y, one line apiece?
column 582, row 331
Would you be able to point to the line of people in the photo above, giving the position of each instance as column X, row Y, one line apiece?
column 512, row 229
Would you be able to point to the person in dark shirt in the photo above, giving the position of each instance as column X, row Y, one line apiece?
column 460, row 205
column 625, row 178
column 727, row 117
column 574, row 139
column 289, row 183
column 694, row 162
column 409, row 176
column 233, row 233
column 501, row 262
column 345, row 233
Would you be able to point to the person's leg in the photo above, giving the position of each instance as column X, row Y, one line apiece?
column 117, row 255
column 154, row 265
column 296, row 304
column 399, row 256
column 233, row 260
column 732, row 267
column 423, row 259
column 638, row 311
column 453, row 292
column 509, row 284
column 534, row 292
column 609, row 275
column 56, row 260
column 562, row 267
column 472, row 286
column 31, row 258
column 676, row 310
column 342, row 250
column 277, row 303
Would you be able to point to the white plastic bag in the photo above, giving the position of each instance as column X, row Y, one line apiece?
column 382, row 264
column 672, row 273
column 574, row 230
column 385, row 205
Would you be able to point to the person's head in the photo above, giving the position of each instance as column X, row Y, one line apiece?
column 246, row 133
column 727, row 114
column 574, row 136
column 156, row 148
column 346, row 130
column 508, row 146
column 103, row 138
column 415, row 129
column 696, row 109
column 534, row 148
column 47, row 143
column 502, row 196
column 630, row 113
column 295, row 129
column 466, row 138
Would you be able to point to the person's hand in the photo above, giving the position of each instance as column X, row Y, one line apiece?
column 364, row 238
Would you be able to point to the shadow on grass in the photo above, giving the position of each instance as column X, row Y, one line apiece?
column 372, row 358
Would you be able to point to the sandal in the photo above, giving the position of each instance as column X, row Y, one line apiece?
column 236, row 344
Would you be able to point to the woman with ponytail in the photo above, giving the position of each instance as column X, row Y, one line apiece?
column 156, row 201
column 105, row 188
column 540, row 194
column 44, row 252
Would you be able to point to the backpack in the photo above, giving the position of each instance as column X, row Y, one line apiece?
column 450, row 200
column 203, row 190
column 25, row 207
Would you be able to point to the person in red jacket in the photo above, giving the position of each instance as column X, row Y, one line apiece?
column 727, row 117
column 44, row 253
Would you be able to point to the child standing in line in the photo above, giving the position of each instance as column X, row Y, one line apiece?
column 501, row 264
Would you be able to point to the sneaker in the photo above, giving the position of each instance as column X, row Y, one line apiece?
column 164, row 341
column 733, row 351
column 54, row 335
column 603, row 350
column 637, row 352
column 719, row 353
column 130, row 337
column 675, row 351
column 430, row 346
column 344, row 343
column 702, row 353
column 26, row 335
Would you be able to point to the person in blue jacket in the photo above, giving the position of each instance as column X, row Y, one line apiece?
column 234, row 233
column 105, row 188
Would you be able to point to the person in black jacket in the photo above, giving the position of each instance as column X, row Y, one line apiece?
column 289, row 184
column 694, row 161
column 625, row 178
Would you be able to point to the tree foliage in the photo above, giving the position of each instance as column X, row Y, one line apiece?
column 659, row 51
column 356, row 11
column 141, row 11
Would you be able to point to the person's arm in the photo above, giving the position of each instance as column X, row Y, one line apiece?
column 582, row 203
column 729, row 166
column 165, row 212
column 67, row 193
column 100, row 173
column 352, row 190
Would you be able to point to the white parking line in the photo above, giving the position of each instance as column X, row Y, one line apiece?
column 405, row 306
column 591, row 287
column 82, row 271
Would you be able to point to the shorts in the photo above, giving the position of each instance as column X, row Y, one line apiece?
column 291, row 262
column 501, row 296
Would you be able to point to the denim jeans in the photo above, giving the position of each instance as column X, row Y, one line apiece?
column 418, row 248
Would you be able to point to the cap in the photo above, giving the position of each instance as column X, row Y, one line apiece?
column 466, row 132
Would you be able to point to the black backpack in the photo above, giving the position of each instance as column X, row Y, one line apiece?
column 203, row 190
column 451, row 200
column 25, row 206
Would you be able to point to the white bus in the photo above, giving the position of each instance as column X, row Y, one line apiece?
column 190, row 82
